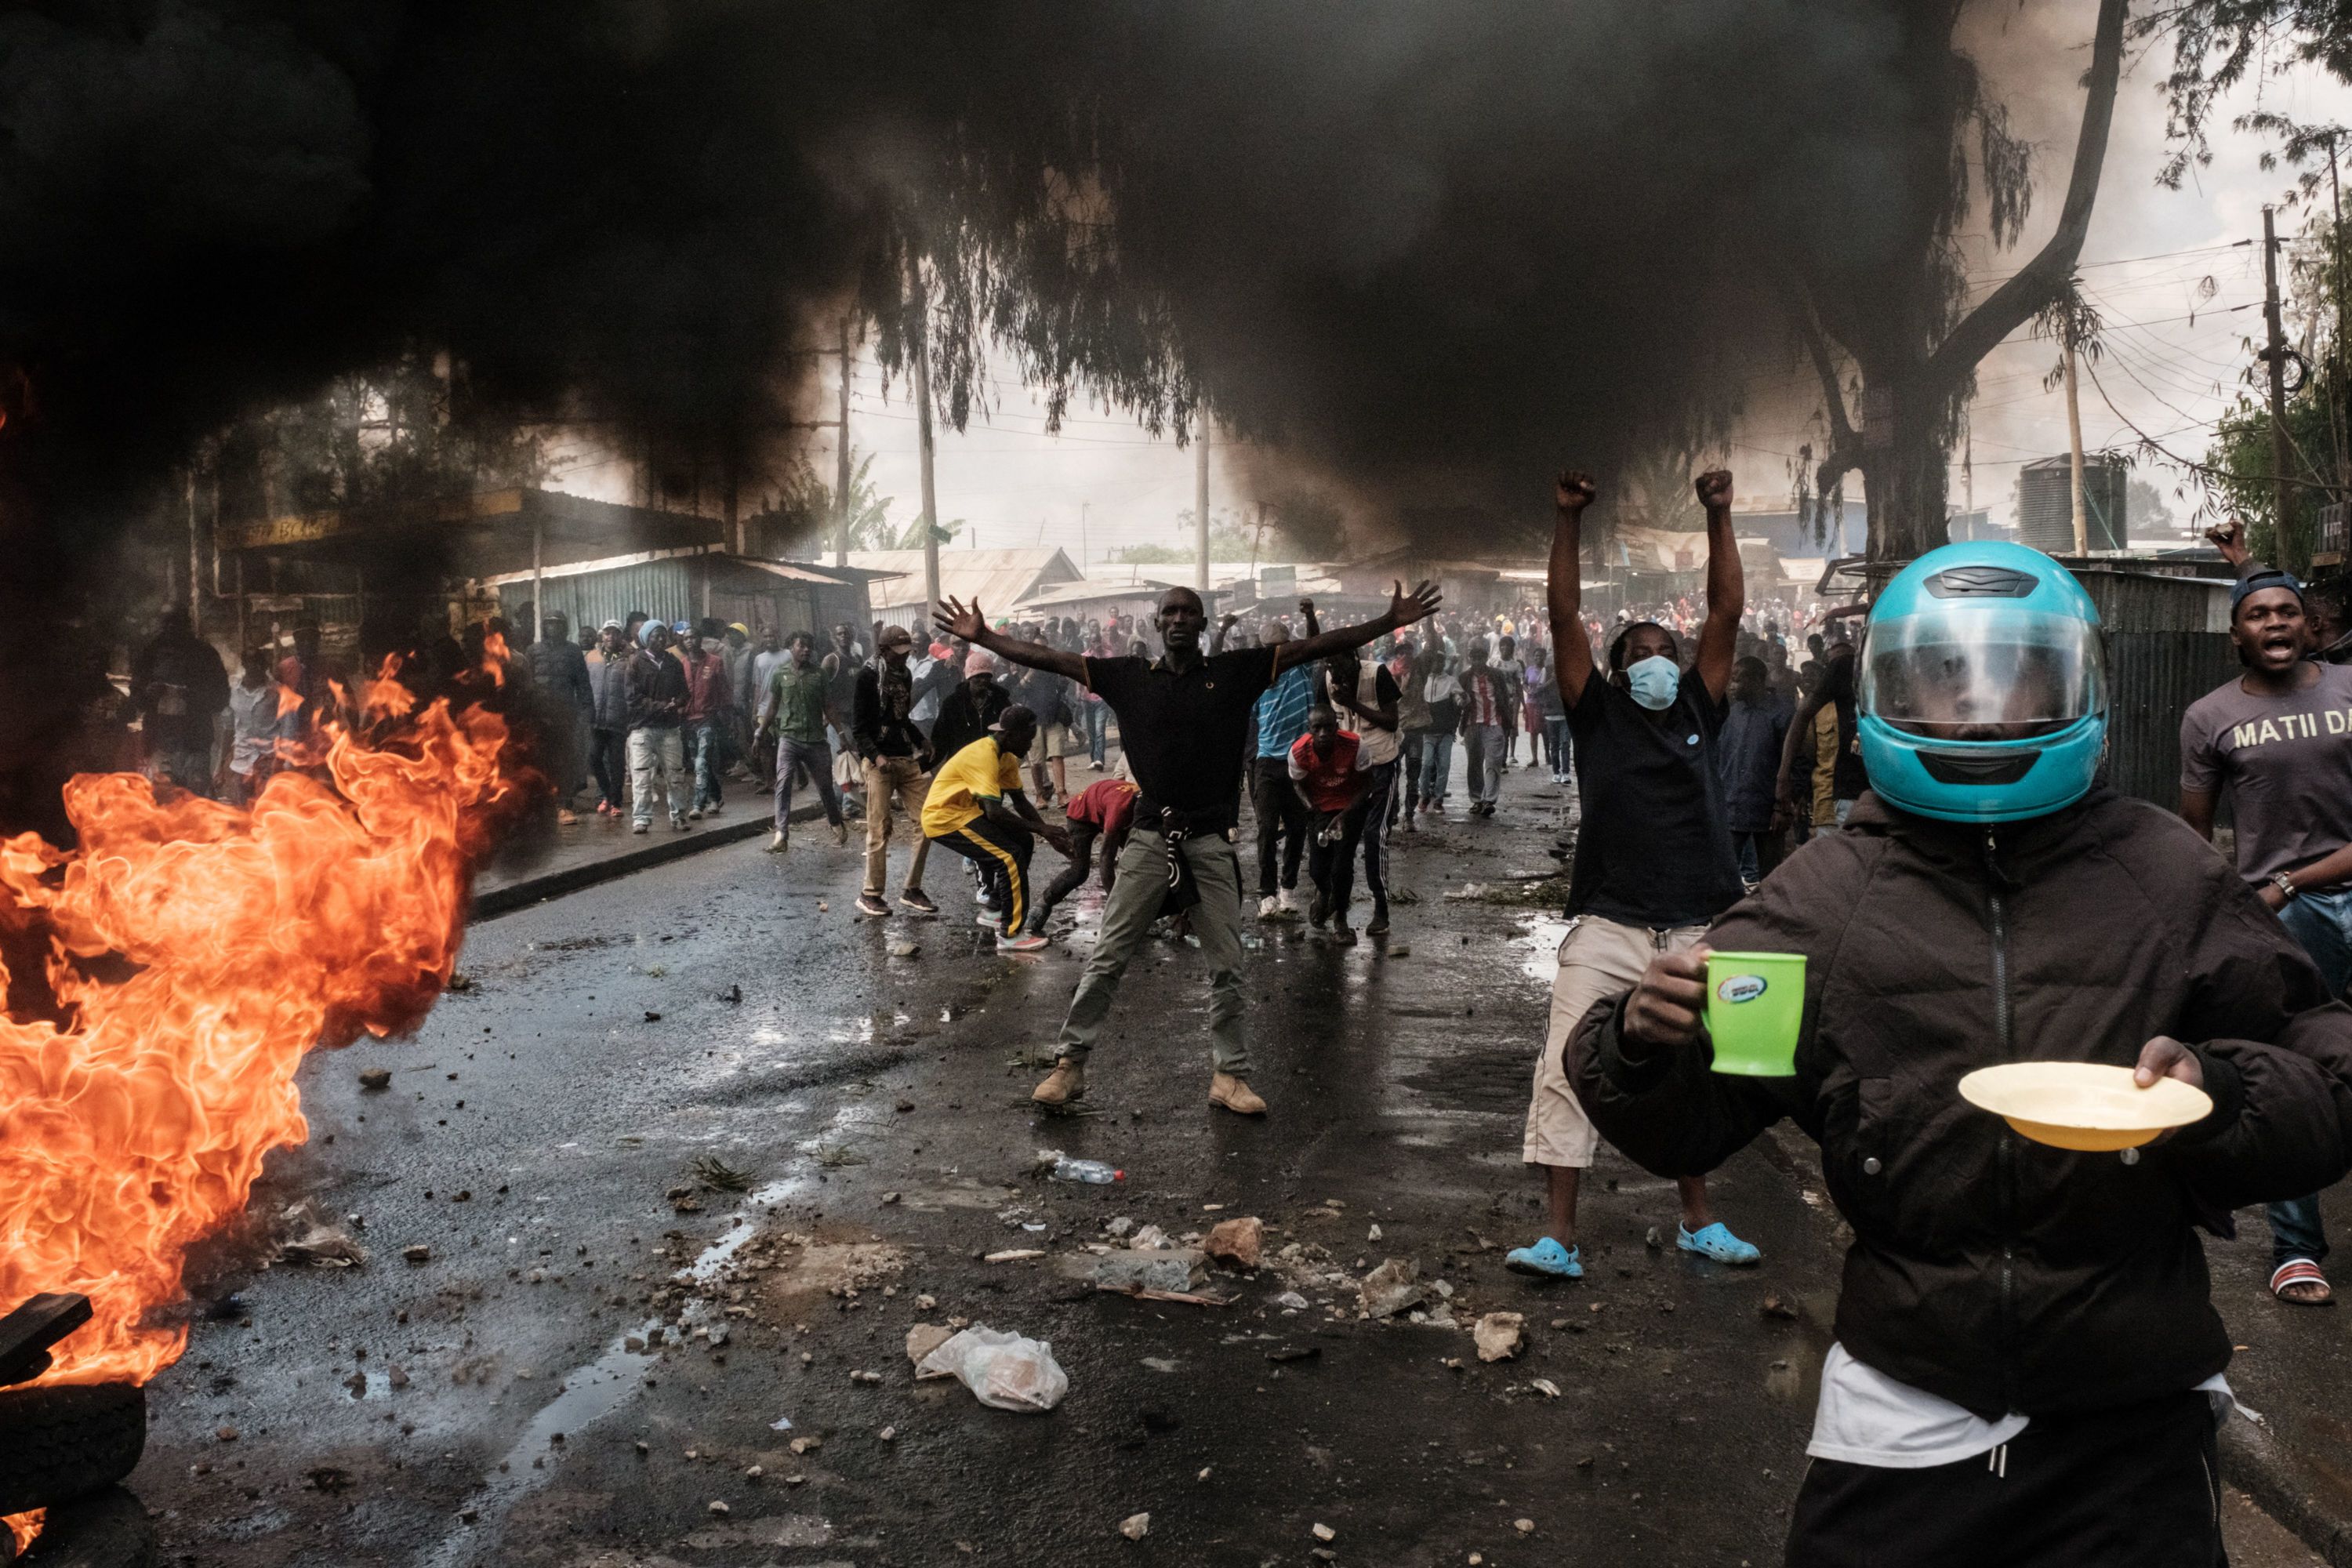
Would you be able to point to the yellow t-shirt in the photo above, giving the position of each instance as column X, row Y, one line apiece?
column 979, row 772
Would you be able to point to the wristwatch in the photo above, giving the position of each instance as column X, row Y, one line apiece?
column 2283, row 883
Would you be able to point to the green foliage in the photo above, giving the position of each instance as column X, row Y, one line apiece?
column 2239, row 481
column 802, row 510
column 2216, row 44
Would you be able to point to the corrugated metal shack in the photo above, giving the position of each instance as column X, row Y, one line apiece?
column 687, row 584
column 2167, row 629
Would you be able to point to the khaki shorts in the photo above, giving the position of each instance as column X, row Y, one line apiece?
column 1052, row 740
column 1598, row 958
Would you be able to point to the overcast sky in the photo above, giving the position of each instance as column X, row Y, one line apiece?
column 2176, row 344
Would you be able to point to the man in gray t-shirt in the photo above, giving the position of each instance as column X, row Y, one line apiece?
column 2280, row 736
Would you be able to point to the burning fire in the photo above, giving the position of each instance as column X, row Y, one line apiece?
column 193, row 951
column 26, row 1528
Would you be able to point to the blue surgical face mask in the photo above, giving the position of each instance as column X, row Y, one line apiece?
column 1654, row 682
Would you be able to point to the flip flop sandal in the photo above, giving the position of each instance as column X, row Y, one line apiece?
column 2300, row 1271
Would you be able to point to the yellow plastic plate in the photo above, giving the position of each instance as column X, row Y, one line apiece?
column 2083, row 1105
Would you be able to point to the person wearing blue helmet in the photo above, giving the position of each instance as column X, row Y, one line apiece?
column 2279, row 738
column 2026, row 1366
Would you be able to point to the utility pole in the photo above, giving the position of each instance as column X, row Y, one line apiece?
column 1200, row 508
column 840, row 459
column 2075, row 446
column 2291, row 555
column 1082, row 538
column 923, row 442
column 2336, row 251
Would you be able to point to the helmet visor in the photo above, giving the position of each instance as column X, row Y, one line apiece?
column 1983, row 675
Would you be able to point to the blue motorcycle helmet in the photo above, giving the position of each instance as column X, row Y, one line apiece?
column 1981, row 687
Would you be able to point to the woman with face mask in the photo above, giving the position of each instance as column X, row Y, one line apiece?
column 1654, row 860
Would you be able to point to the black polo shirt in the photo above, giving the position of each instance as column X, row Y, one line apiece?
column 1185, row 733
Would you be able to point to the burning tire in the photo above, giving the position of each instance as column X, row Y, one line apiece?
column 108, row 1530
column 63, row 1442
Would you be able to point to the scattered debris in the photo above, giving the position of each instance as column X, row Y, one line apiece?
column 1284, row 1354
column 328, row 1479
column 1004, row 1372
column 1059, row 1166
column 921, row 1341
column 1500, row 1335
column 373, row 1078
column 1654, row 1239
column 1177, row 1269
column 683, row 1201
column 1149, row 1237
column 1524, row 1526
column 1546, row 1387
column 308, row 1241
column 1181, row 1298
column 902, row 948
column 718, row 1510
column 1325, row 1532
column 1401, row 949
column 1373, row 1235
column 806, row 1446
column 1773, row 1307
column 1014, row 1255
column 420, row 1253
column 733, row 995
column 719, row 1177
column 1392, row 1288
column 865, row 1377
column 1135, row 1526
column 1237, row 1241
column 888, row 1434
column 781, row 1423
column 651, row 1017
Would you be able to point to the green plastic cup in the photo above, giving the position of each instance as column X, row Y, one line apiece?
column 1755, row 1007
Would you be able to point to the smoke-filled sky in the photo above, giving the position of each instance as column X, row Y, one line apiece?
column 1422, row 249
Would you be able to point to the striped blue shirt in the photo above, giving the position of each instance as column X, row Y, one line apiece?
column 1282, row 711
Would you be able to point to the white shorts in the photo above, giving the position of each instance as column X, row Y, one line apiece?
column 1598, row 958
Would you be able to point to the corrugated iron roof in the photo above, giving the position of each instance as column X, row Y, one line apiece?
column 998, row 579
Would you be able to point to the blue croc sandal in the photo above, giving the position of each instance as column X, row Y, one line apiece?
column 1714, row 1241
column 1547, row 1259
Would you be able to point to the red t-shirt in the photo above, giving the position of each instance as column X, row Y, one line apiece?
column 1109, row 806
column 1329, row 782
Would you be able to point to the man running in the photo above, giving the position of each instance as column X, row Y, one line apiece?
column 895, row 753
column 976, row 809
column 1184, row 720
column 1654, row 859
column 792, row 709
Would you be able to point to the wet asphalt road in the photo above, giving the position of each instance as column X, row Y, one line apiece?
column 408, row 1413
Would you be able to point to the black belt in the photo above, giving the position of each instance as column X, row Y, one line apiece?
column 1154, row 818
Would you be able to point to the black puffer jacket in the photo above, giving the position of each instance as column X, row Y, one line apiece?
column 1999, row 1273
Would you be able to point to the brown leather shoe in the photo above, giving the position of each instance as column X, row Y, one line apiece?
column 1065, row 1083
column 1235, row 1095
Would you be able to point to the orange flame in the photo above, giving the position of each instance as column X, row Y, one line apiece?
column 195, row 951
column 26, row 1528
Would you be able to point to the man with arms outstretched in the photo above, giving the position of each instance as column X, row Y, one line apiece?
column 1184, row 718
column 1654, row 861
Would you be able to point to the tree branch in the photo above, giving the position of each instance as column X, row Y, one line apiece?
column 2042, row 279
column 1817, row 345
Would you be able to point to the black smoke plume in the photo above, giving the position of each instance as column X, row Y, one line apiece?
column 1429, row 250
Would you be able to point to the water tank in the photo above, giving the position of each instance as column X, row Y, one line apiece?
column 2045, row 504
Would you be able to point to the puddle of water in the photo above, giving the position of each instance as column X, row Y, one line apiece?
column 1539, row 940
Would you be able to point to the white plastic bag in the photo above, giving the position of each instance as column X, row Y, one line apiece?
column 1004, row 1372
